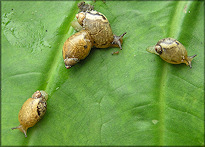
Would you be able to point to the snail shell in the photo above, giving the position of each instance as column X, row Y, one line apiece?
column 171, row 51
column 76, row 48
column 99, row 29
column 83, row 7
column 32, row 111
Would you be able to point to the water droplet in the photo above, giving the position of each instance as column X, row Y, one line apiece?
column 155, row 122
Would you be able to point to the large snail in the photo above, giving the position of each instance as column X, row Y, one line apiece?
column 95, row 32
column 171, row 51
column 32, row 111
column 99, row 29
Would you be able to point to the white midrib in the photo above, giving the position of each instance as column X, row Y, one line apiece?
column 174, row 31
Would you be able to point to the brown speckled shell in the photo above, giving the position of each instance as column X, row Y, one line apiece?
column 172, row 51
column 32, row 111
column 98, row 27
column 78, row 45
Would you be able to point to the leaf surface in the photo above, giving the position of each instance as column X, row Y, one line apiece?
column 133, row 98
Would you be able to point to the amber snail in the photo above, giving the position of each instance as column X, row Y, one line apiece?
column 171, row 51
column 99, row 29
column 32, row 111
column 76, row 48
column 95, row 32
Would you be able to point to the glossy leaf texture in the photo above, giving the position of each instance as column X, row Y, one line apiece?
column 131, row 98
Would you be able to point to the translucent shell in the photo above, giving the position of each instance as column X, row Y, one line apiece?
column 171, row 51
column 76, row 48
column 32, row 111
column 99, row 29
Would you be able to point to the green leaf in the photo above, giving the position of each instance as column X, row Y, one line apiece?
column 133, row 98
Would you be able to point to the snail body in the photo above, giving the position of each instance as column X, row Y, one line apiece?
column 171, row 51
column 32, row 111
column 76, row 48
column 99, row 28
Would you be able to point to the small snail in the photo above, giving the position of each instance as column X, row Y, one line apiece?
column 171, row 51
column 95, row 32
column 76, row 48
column 32, row 111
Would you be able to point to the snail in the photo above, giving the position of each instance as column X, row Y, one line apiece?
column 171, row 51
column 95, row 32
column 76, row 48
column 99, row 29
column 32, row 111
